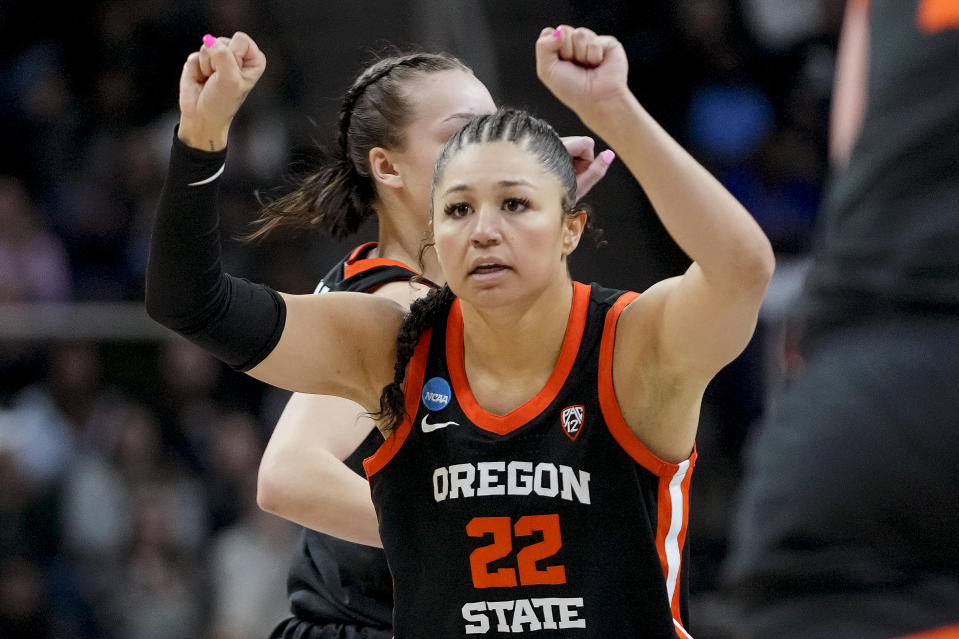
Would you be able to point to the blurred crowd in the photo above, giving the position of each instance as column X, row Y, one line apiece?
column 128, row 470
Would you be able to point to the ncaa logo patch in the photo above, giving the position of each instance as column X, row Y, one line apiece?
column 572, row 420
column 436, row 394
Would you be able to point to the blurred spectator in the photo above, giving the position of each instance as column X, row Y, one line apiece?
column 33, row 262
column 38, row 592
column 248, row 570
column 779, row 185
column 116, row 495
column 108, row 474
column 29, row 525
column 41, row 129
column 781, row 24
column 249, row 541
column 47, row 419
column 233, row 447
column 95, row 216
column 157, row 584
column 23, row 606
column 184, row 401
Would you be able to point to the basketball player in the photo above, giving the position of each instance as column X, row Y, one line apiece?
column 403, row 108
column 848, row 517
column 541, row 432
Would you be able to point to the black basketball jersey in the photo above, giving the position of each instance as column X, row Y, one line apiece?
column 890, row 232
column 332, row 580
column 553, row 520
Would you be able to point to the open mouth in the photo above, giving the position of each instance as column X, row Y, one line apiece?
column 484, row 269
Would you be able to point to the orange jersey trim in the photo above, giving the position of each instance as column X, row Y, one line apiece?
column 355, row 263
column 503, row 424
column 416, row 370
column 672, row 519
column 946, row 632
column 617, row 425
column 938, row 15
column 672, row 522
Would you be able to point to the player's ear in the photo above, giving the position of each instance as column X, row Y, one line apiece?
column 573, row 226
column 383, row 169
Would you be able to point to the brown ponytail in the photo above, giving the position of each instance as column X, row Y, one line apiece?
column 339, row 195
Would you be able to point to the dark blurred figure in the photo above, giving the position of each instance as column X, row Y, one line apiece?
column 133, row 520
column 33, row 262
column 23, row 607
column 252, row 542
column 157, row 590
column 185, row 401
column 39, row 596
column 848, row 519
column 231, row 453
column 48, row 419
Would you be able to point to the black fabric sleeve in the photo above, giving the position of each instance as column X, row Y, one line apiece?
column 237, row 321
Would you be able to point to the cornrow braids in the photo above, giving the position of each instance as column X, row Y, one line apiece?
column 376, row 108
column 523, row 129
column 370, row 76
column 424, row 313
column 375, row 112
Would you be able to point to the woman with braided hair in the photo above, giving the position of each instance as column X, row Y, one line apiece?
column 540, row 431
column 392, row 123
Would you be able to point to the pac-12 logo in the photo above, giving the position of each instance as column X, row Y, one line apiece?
column 436, row 394
column 572, row 419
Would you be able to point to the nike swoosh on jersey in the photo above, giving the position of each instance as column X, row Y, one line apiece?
column 429, row 428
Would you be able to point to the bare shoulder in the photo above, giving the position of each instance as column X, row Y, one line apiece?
column 639, row 324
column 403, row 293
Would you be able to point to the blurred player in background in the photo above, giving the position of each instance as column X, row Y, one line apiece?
column 848, row 519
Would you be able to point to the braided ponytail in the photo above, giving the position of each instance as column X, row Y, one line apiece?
column 424, row 313
column 339, row 195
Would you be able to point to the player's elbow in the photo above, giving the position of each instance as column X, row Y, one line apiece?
column 765, row 264
column 755, row 265
column 272, row 487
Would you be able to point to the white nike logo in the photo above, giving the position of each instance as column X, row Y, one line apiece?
column 429, row 428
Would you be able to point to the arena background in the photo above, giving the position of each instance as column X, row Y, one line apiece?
column 127, row 458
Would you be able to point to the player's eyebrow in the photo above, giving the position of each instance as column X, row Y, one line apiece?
column 463, row 186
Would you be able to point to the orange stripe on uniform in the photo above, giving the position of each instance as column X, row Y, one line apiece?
column 672, row 520
column 663, row 519
column 681, row 537
column 415, row 371
column 503, row 424
column 946, row 632
column 938, row 15
column 355, row 263
column 672, row 517
column 613, row 417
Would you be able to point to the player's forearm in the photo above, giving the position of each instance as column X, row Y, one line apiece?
column 704, row 219
column 186, row 289
column 323, row 495
column 205, row 136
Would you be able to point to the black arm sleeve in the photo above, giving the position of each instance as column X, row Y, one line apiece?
column 186, row 289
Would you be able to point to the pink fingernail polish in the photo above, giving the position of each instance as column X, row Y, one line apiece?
column 558, row 32
column 608, row 156
column 209, row 41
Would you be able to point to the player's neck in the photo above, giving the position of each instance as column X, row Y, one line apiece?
column 506, row 344
column 403, row 242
